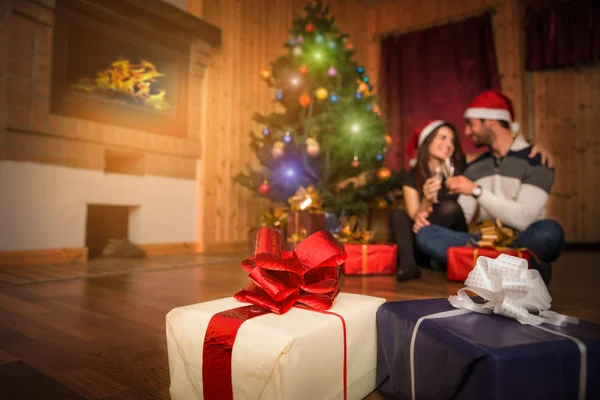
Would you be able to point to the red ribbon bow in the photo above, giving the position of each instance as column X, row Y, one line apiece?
column 279, row 279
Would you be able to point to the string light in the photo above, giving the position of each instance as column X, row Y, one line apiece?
column 289, row 172
column 355, row 128
column 287, row 138
column 319, row 39
column 295, row 81
column 318, row 55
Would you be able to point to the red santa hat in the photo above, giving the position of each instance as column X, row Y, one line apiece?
column 492, row 105
column 418, row 137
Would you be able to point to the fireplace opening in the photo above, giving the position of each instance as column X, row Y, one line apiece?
column 105, row 223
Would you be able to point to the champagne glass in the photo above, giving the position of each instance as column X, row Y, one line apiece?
column 448, row 170
column 437, row 175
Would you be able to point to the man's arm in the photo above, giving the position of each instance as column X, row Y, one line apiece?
column 468, row 205
column 519, row 213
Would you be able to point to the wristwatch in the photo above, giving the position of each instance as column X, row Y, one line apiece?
column 477, row 191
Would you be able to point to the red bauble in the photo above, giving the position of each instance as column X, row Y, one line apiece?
column 309, row 27
column 303, row 69
column 264, row 188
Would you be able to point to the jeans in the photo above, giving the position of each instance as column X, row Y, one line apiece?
column 545, row 238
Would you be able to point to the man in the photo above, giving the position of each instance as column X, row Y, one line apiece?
column 504, row 183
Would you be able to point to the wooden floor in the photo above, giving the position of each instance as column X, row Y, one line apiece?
column 104, row 337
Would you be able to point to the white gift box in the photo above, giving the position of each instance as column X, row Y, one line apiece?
column 297, row 355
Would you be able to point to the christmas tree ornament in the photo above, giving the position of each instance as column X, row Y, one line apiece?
column 312, row 147
column 384, row 173
column 264, row 187
column 321, row 93
column 265, row 74
column 376, row 109
column 381, row 203
column 388, row 140
column 365, row 79
column 316, row 84
column 278, row 149
column 304, row 100
column 363, row 88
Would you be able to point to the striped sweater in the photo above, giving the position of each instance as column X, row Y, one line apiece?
column 515, row 188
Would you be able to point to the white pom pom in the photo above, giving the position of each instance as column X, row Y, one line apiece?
column 515, row 127
column 412, row 162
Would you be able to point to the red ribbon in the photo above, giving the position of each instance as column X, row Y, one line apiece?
column 278, row 280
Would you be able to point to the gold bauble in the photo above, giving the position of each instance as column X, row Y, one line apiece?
column 388, row 140
column 384, row 173
column 312, row 147
column 321, row 93
column 265, row 73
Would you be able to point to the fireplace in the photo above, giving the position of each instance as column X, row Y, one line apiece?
column 100, row 104
column 120, row 64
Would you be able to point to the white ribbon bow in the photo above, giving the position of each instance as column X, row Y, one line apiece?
column 511, row 289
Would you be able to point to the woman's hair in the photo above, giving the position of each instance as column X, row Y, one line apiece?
column 421, row 169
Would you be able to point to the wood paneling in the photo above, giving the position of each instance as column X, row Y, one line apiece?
column 253, row 34
column 45, row 256
column 567, row 116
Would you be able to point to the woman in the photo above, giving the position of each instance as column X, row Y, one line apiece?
column 427, row 200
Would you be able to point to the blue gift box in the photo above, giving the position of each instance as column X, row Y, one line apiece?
column 428, row 349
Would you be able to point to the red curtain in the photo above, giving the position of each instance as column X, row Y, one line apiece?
column 434, row 73
column 562, row 33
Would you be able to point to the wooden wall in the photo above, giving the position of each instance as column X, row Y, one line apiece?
column 253, row 34
column 566, row 110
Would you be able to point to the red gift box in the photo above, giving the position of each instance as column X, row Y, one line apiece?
column 370, row 259
column 461, row 260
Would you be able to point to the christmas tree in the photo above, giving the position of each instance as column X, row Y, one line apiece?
column 329, row 129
